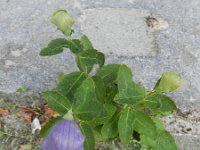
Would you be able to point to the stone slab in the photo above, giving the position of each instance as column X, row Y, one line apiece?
column 118, row 31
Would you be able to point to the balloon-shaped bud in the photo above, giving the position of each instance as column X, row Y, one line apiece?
column 169, row 81
column 63, row 21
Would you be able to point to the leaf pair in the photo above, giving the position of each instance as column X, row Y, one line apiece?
column 131, row 120
column 109, row 129
column 87, row 59
column 151, row 130
column 108, row 73
column 129, row 91
column 86, row 55
column 69, row 83
column 87, row 106
column 75, row 45
column 160, row 104
column 163, row 140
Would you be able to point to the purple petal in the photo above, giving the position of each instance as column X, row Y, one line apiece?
column 65, row 135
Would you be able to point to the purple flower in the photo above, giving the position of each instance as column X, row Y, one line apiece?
column 65, row 135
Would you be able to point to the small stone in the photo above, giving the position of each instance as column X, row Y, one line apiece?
column 35, row 125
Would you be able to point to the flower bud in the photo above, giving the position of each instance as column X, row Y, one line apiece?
column 170, row 81
column 63, row 21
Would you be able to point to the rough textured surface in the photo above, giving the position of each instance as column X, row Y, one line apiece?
column 185, row 125
column 121, row 32
column 187, row 141
column 172, row 34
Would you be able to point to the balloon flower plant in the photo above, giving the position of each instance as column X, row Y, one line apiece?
column 105, row 105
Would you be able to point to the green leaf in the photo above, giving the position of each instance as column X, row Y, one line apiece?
column 60, row 77
column 110, row 94
column 159, row 125
column 97, row 133
column 124, row 78
column 47, row 128
column 169, row 82
column 1, row 134
column 57, row 101
column 63, row 21
column 69, row 84
column 87, row 106
column 125, row 125
column 164, row 141
column 75, row 46
column 144, row 125
column 110, row 128
column 132, row 95
column 88, row 58
column 100, row 89
column 89, row 136
column 90, row 110
column 86, row 91
column 54, row 47
column 86, row 43
column 129, row 91
column 110, row 110
column 108, row 73
column 160, row 104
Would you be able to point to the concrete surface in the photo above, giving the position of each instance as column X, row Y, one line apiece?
column 161, row 36
column 187, row 142
column 120, row 31
column 185, row 125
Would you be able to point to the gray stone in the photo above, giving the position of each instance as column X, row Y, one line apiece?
column 121, row 32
